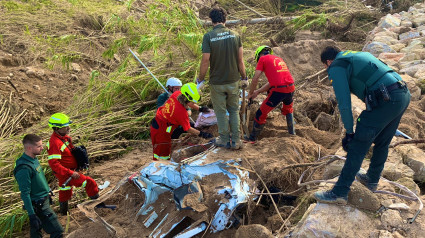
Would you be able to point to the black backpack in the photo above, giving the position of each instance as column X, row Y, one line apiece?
column 80, row 154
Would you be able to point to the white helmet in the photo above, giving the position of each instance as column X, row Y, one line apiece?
column 174, row 82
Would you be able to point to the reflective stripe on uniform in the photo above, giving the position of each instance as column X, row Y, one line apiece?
column 64, row 146
column 169, row 129
column 54, row 157
column 161, row 157
column 84, row 184
column 65, row 188
column 48, row 145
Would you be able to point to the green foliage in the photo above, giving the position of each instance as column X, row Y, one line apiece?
column 309, row 20
column 421, row 85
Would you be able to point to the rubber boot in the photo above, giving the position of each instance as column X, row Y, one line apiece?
column 290, row 123
column 63, row 208
column 95, row 197
column 256, row 130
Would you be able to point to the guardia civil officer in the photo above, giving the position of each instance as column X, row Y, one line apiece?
column 386, row 97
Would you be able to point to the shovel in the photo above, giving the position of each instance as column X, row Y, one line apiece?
column 244, row 116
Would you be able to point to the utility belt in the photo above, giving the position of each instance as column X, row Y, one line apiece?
column 283, row 86
column 38, row 204
column 382, row 94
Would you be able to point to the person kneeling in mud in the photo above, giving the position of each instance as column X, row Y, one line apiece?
column 174, row 85
column 171, row 115
column 280, row 88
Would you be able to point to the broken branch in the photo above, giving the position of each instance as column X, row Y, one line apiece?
column 408, row 142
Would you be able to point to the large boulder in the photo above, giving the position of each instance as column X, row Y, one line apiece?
column 413, row 45
column 415, row 159
column 362, row 198
column 325, row 220
column 409, row 35
column 418, row 20
column 391, row 219
column 324, row 121
column 253, row 231
column 393, row 171
column 376, row 48
column 397, row 47
column 389, row 21
column 386, row 40
column 420, row 74
column 391, row 58
column 411, row 70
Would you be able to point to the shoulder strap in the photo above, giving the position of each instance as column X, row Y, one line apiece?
column 24, row 165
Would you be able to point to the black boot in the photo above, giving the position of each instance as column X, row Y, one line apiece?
column 290, row 123
column 256, row 130
column 95, row 196
column 63, row 208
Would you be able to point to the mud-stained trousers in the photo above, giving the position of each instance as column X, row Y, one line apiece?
column 377, row 126
column 86, row 182
column 161, row 139
column 226, row 98
column 274, row 97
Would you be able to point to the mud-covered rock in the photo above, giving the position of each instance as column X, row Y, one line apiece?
column 391, row 58
column 333, row 169
column 411, row 70
column 253, row 231
column 325, row 220
column 376, row 48
column 323, row 121
column 420, row 74
column 395, row 171
column 415, row 159
column 397, row 47
column 418, row 20
column 410, row 184
column 32, row 72
column 389, row 21
column 362, row 198
column 409, row 35
column 391, row 219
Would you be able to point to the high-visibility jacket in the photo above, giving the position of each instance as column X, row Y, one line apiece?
column 60, row 158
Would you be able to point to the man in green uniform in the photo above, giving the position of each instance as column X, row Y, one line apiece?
column 222, row 51
column 35, row 190
column 386, row 97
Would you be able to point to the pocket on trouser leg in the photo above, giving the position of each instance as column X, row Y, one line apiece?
column 365, row 133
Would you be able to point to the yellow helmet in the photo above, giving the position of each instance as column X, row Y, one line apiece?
column 189, row 90
column 59, row 120
column 261, row 49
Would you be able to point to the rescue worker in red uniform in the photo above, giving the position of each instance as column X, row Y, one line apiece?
column 64, row 164
column 171, row 115
column 280, row 88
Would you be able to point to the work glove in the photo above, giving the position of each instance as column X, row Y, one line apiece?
column 35, row 222
column 204, row 109
column 199, row 84
column 244, row 82
column 348, row 137
column 205, row 135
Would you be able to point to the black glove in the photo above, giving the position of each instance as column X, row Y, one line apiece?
column 205, row 135
column 346, row 140
column 204, row 109
column 35, row 222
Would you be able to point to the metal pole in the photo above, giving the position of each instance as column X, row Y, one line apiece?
column 135, row 56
